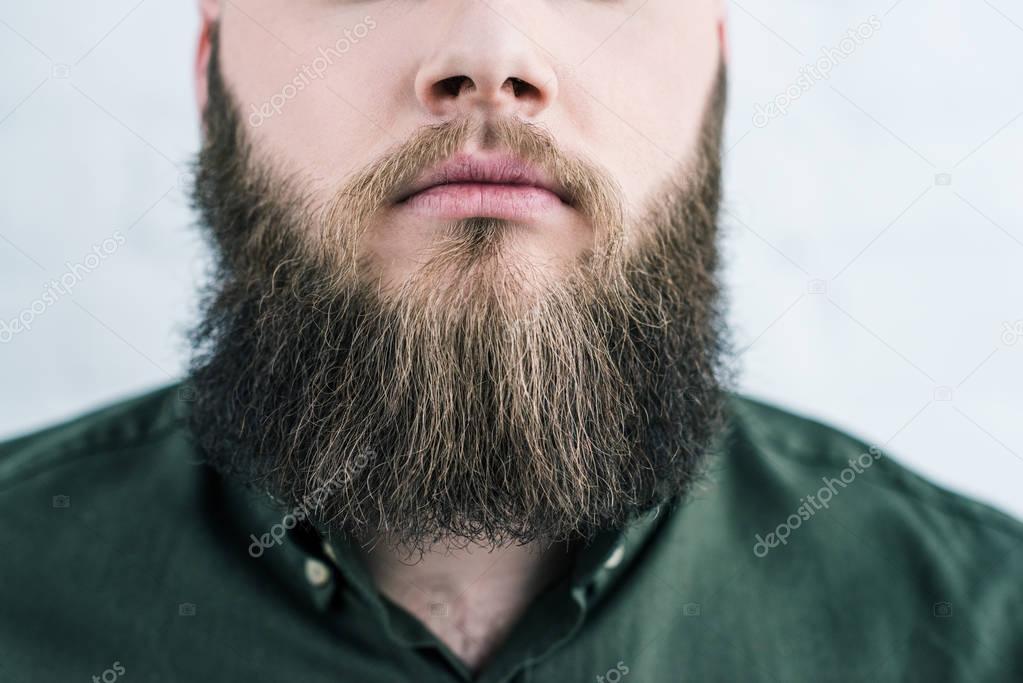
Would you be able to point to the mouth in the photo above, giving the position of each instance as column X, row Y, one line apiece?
column 490, row 186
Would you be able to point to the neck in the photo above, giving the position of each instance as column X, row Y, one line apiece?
column 469, row 597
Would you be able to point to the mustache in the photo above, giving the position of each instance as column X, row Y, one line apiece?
column 592, row 190
column 335, row 225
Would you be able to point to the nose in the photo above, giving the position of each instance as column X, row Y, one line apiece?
column 485, row 65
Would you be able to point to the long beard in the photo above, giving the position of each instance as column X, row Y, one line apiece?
column 469, row 403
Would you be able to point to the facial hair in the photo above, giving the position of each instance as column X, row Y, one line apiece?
column 477, row 401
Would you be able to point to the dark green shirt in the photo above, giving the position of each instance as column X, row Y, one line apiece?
column 804, row 556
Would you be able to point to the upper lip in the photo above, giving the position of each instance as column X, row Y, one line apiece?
column 493, row 170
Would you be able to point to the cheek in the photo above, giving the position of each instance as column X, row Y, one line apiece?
column 648, row 88
column 309, row 95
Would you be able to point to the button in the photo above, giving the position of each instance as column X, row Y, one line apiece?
column 616, row 558
column 328, row 550
column 316, row 573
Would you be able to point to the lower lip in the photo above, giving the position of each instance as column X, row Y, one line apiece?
column 470, row 200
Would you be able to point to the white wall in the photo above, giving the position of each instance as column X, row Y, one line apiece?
column 862, row 291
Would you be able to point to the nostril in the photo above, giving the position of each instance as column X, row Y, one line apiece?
column 487, row 89
column 523, row 89
column 453, row 86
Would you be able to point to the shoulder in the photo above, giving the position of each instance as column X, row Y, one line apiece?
column 102, row 516
column 807, row 456
column 827, row 533
column 91, row 440
column 136, row 454
column 839, row 521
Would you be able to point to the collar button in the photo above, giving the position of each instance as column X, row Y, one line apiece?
column 615, row 558
column 328, row 550
column 316, row 573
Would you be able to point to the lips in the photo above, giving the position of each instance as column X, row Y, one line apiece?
column 492, row 186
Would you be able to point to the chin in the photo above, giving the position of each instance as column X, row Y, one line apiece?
column 510, row 256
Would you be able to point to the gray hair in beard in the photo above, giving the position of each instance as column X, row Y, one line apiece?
column 467, row 404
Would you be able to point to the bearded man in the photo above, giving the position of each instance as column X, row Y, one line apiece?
column 459, row 406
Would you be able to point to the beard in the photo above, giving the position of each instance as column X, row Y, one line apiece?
column 480, row 399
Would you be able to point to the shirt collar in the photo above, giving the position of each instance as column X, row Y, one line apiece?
column 316, row 566
column 601, row 563
column 284, row 541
